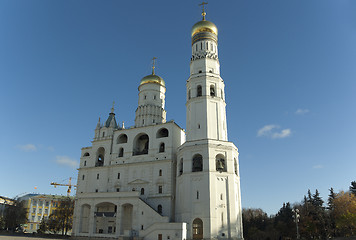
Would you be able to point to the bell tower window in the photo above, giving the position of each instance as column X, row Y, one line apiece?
column 212, row 90
column 199, row 91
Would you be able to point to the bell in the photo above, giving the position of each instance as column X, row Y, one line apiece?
column 220, row 166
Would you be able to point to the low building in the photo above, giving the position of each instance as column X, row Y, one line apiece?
column 4, row 201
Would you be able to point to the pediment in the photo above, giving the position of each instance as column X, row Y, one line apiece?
column 138, row 181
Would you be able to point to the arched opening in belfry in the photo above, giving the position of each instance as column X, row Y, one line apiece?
column 105, row 218
column 100, row 157
column 84, row 218
column 220, row 163
column 126, row 219
column 141, row 144
column 86, row 154
column 212, row 90
column 122, row 139
column 197, row 228
column 163, row 132
column 199, row 91
column 197, row 163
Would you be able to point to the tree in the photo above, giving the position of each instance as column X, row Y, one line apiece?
column 15, row 215
column 331, row 213
column 353, row 187
column 43, row 226
column 61, row 219
column 283, row 221
column 345, row 213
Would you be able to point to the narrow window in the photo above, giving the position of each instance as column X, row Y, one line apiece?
column 154, row 97
column 160, row 172
column 117, row 189
column 221, row 196
column 198, row 126
column 145, row 97
column 103, row 134
column 159, row 209
column 222, row 94
column 85, row 163
column 201, row 46
column 207, row 46
column 197, row 194
column 153, row 121
column 181, row 167
column 121, row 152
column 143, row 121
column 189, row 94
column 142, row 191
column 118, row 175
column 97, row 176
column 199, row 91
column 83, row 177
column 160, row 189
column 196, row 47
column 141, row 227
column 161, row 147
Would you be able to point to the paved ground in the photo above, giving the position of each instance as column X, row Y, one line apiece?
column 25, row 238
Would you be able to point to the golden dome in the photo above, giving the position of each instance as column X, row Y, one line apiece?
column 152, row 79
column 204, row 26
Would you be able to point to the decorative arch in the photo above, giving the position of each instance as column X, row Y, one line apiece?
column 141, row 144
column 163, row 132
column 105, row 218
column 197, row 228
column 197, row 163
column 100, row 154
column 84, row 218
column 220, row 163
column 121, row 139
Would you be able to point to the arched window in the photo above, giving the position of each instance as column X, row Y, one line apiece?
column 181, row 167
column 141, row 144
column 159, row 209
column 163, row 132
column 160, row 172
column 199, row 91
column 121, row 152
column 212, row 90
column 197, row 163
column 100, row 157
column 161, row 147
column 122, row 139
column 197, row 228
column 86, row 154
column 142, row 191
column 220, row 163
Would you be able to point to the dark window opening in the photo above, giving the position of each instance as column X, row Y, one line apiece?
column 220, row 163
column 212, row 91
column 199, row 91
column 122, row 139
column 161, row 147
column 197, row 163
column 160, row 172
column 118, row 175
column 160, row 189
column 121, row 152
column 85, row 163
column 142, row 191
column 159, row 209
column 141, row 145
column 162, row 133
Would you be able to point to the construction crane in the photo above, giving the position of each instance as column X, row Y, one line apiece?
column 69, row 185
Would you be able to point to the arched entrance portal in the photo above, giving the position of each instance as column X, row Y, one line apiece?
column 105, row 218
column 197, row 229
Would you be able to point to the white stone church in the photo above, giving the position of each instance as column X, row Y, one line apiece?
column 155, row 181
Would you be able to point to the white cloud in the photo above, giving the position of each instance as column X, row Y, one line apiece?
column 301, row 111
column 271, row 132
column 283, row 134
column 27, row 147
column 67, row 161
column 318, row 166
column 266, row 130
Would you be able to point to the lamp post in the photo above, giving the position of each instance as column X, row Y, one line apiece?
column 296, row 217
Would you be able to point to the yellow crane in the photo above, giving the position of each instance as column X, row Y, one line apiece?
column 69, row 185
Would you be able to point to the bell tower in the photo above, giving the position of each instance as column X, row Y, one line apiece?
column 208, row 180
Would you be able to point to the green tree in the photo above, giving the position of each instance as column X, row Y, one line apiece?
column 15, row 216
column 43, row 226
column 283, row 221
column 331, row 224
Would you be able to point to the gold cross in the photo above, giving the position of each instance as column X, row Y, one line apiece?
column 203, row 12
column 153, row 65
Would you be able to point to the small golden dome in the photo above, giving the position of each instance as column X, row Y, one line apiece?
column 204, row 26
column 152, row 79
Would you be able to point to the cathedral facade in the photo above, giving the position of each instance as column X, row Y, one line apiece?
column 156, row 181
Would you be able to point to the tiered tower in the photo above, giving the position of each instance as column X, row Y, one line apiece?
column 208, row 181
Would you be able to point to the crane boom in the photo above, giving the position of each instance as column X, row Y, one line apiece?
column 69, row 185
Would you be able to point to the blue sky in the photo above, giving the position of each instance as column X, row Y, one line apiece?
column 288, row 66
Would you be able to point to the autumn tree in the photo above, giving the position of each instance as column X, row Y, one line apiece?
column 345, row 213
column 62, row 218
column 353, row 187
